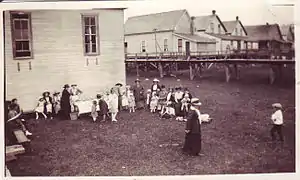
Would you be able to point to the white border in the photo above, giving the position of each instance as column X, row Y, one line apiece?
column 125, row 4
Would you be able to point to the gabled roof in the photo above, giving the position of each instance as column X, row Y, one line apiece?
column 230, row 37
column 231, row 25
column 287, row 31
column 202, row 22
column 195, row 38
column 165, row 21
column 265, row 32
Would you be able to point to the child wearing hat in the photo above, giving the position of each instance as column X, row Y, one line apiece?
column 94, row 112
column 56, row 102
column 131, row 101
column 102, row 106
column 48, row 109
column 277, row 119
column 40, row 108
column 148, row 98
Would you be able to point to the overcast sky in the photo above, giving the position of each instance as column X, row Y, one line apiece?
column 250, row 12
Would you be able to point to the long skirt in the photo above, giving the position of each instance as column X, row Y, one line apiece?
column 192, row 144
column 177, row 108
column 140, row 104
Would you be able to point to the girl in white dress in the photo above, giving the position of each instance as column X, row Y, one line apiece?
column 125, row 97
column 113, row 104
column 154, row 102
column 131, row 101
column 40, row 108
column 56, row 102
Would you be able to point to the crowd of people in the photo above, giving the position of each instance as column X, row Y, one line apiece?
column 172, row 102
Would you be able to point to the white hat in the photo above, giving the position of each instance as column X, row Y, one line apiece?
column 196, row 102
column 155, row 80
column 277, row 105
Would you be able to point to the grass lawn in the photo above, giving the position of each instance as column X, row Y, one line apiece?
column 237, row 141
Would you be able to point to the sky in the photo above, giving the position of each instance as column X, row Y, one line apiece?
column 250, row 12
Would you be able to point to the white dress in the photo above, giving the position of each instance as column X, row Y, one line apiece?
column 40, row 107
column 113, row 103
column 48, row 105
column 124, row 99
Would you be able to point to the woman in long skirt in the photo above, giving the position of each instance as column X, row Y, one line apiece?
column 192, row 144
column 138, row 91
column 65, row 103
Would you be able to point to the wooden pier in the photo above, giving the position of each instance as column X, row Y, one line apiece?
column 196, row 61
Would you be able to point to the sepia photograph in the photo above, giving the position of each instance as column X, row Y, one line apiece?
column 148, row 87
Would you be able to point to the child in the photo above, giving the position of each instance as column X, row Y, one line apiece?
column 103, row 107
column 168, row 111
column 113, row 104
column 48, row 109
column 148, row 98
column 94, row 112
column 125, row 98
column 184, row 105
column 56, row 103
column 277, row 119
column 13, row 116
column 162, row 98
column 154, row 102
column 131, row 101
column 40, row 108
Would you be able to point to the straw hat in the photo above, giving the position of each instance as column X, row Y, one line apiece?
column 56, row 92
column 73, row 85
column 196, row 102
column 66, row 86
column 119, row 84
column 277, row 105
column 137, row 80
column 155, row 80
column 46, row 92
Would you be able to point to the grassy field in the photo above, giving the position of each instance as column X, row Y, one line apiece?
column 237, row 141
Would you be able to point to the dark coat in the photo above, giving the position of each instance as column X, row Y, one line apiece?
column 51, row 102
column 158, row 88
column 193, row 124
column 65, row 102
column 190, row 95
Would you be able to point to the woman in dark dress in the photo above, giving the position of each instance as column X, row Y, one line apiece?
column 138, row 92
column 192, row 144
column 65, row 103
column 178, row 97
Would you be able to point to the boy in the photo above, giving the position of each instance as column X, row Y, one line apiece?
column 277, row 119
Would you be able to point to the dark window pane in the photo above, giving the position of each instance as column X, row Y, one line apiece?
column 93, row 29
column 25, row 45
column 87, row 39
column 93, row 21
column 94, row 39
column 23, row 54
column 86, row 20
column 18, row 45
column 86, row 30
column 17, row 24
column 18, row 34
column 25, row 34
column 87, row 48
column 24, row 24
column 94, row 48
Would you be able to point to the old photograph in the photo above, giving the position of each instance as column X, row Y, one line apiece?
column 149, row 88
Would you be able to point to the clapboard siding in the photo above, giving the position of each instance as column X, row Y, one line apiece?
column 58, row 55
column 183, row 25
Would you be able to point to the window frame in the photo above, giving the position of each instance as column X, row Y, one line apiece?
column 166, row 49
column 143, row 46
column 219, row 28
column 236, row 31
column 96, row 16
column 14, row 39
column 212, row 27
column 180, row 48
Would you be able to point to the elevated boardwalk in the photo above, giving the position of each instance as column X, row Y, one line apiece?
column 197, row 60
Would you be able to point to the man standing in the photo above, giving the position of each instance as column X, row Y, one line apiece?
column 192, row 144
column 277, row 119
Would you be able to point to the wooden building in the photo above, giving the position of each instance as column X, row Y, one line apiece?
column 45, row 49
column 171, row 31
column 230, row 35
column 269, row 37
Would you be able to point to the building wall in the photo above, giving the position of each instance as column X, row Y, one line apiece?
column 58, row 56
column 238, row 30
column 184, row 24
column 134, row 42
column 216, row 23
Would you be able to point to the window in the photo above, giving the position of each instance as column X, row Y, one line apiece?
column 21, row 35
column 219, row 28
column 179, row 45
column 241, row 32
column 143, row 46
column 91, row 43
column 212, row 28
column 165, row 44
column 236, row 31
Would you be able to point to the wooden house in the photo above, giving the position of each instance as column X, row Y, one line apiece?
column 269, row 37
column 288, row 35
column 230, row 35
column 171, row 31
column 45, row 49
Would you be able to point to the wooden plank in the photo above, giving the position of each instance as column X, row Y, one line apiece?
column 10, row 158
column 14, row 150
column 7, row 172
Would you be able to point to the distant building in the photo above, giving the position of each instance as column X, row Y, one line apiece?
column 288, row 34
column 45, row 49
column 269, row 37
column 230, row 35
column 171, row 31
